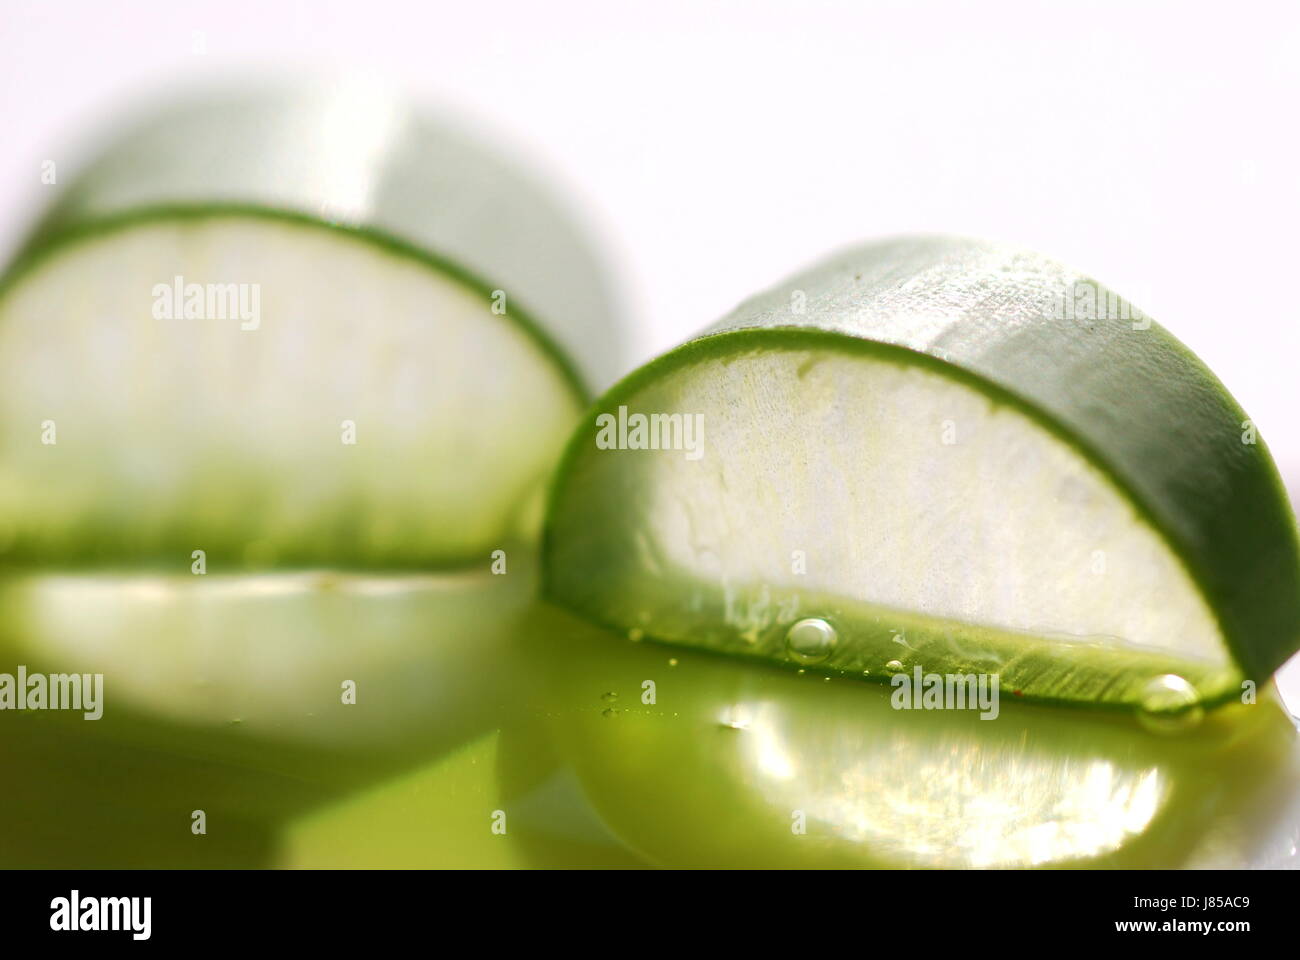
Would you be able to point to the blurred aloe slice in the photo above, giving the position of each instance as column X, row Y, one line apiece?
column 950, row 454
column 282, row 370
column 737, row 764
column 292, row 327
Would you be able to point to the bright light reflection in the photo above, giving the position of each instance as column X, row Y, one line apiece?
column 948, row 798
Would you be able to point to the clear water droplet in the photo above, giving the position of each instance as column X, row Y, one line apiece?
column 1169, row 704
column 609, row 697
column 810, row 640
column 609, row 712
column 894, row 666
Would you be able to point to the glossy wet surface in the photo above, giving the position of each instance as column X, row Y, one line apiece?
column 490, row 730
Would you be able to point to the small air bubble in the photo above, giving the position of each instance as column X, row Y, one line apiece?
column 672, row 661
column 894, row 666
column 636, row 634
column 609, row 712
column 609, row 697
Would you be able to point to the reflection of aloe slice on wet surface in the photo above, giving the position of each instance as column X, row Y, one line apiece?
column 732, row 756
column 487, row 806
column 269, row 653
column 226, row 694
column 916, row 444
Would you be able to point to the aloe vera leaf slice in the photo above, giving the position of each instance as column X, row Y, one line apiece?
column 910, row 442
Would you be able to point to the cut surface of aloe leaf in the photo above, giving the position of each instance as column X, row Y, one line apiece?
column 912, row 444
column 378, row 415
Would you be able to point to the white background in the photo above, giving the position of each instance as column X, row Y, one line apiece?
column 719, row 146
